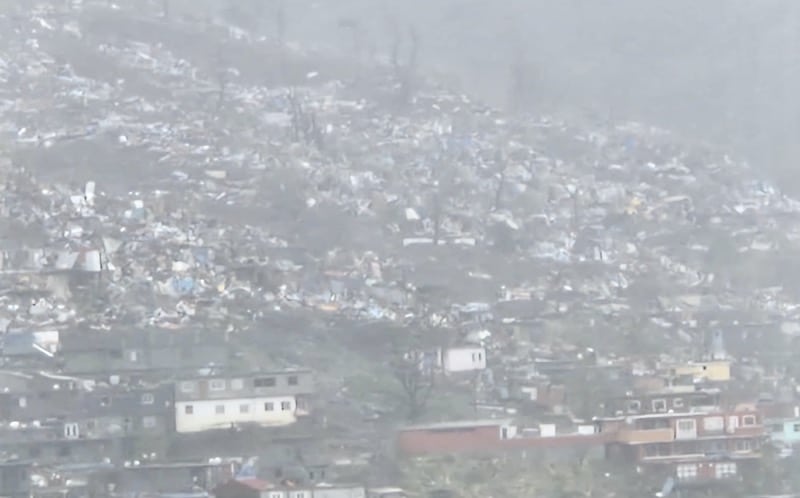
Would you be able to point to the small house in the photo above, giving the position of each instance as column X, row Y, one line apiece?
column 462, row 359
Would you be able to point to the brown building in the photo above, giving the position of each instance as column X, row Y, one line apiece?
column 491, row 436
column 695, row 445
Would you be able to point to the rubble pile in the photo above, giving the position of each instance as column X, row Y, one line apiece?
column 186, row 193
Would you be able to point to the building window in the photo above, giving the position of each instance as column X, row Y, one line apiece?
column 659, row 405
column 686, row 429
column 264, row 382
column 216, row 384
column 748, row 420
column 219, row 409
column 71, row 431
column 650, row 450
column 727, row 469
column 133, row 356
column 268, row 406
column 149, row 422
column 634, row 406
column 677, row 403
column 292, row 380
column 744, row 445
column 147, row 399
column 237, row 384
column 244, row 408
column 188, row 409
column 286, row 406
column 718, row 447
column 713, row 424
column 687, row 472
column 187, row 386
column 796, row 428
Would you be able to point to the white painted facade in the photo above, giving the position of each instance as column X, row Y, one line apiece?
column 463, row 359
column 321, row 491
column 209, row 414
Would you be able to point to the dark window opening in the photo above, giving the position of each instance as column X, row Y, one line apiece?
column 264, row 382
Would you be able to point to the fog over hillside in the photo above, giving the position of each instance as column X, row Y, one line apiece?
column 718, row 70
column 385, row 249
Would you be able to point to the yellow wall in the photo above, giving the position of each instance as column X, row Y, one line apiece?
column 717, row 371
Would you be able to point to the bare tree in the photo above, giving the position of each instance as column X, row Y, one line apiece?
column 304, row 124
column 417, row 379
column 407, row 74
column 520, row 79
column 501, row 163
column 356, row 33
column 296, row 115
column 394, row 51
column 574, row 195
column 437, row 212
column 222, row 77
column 222, row 80
column 414, row 49
column 280, row 22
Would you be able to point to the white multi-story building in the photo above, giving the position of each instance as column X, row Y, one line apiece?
column 462, row 359
column 264, row 399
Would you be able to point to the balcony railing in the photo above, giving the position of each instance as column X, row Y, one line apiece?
column 633, row 436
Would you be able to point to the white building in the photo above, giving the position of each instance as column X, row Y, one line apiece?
column 462, row 359
column 265, row 399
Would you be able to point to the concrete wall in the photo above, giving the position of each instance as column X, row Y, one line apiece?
column 344, row 492
column 714, row 371
column 786, row 432
column 463, row 359
column 415, row 442
column 205, row 415
column 487, row 439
